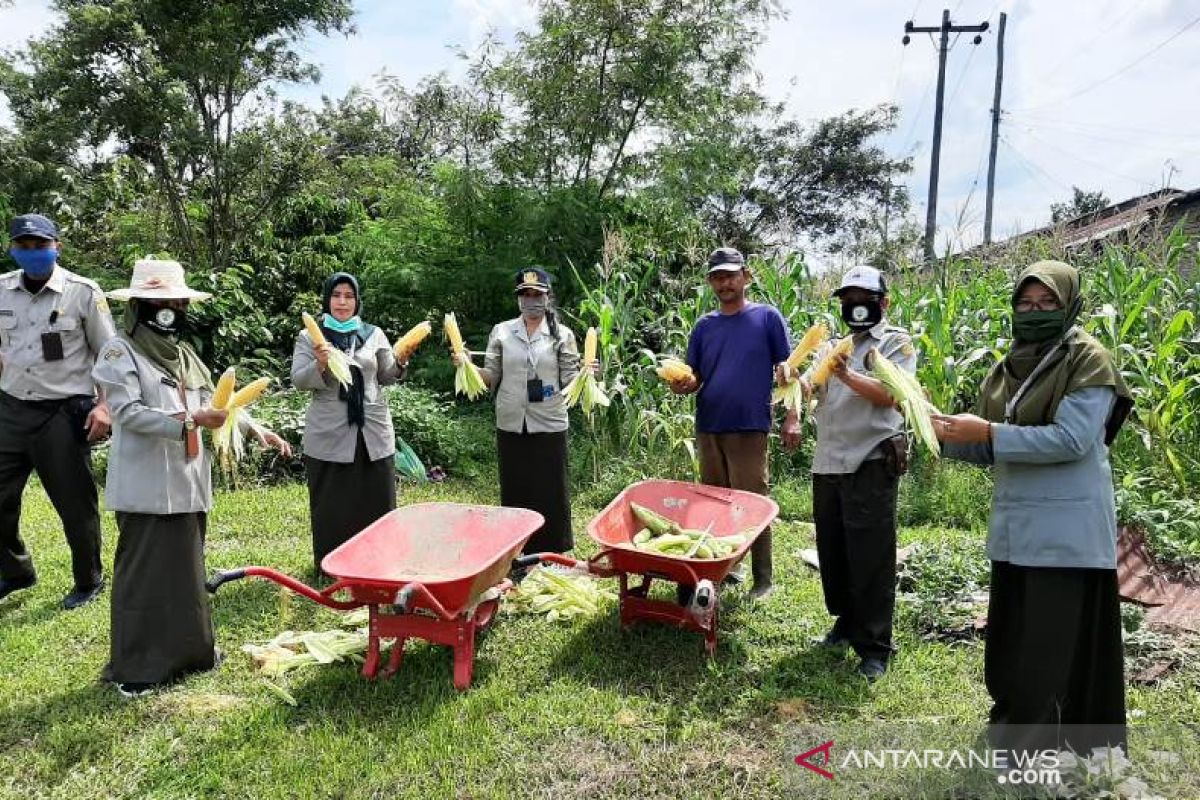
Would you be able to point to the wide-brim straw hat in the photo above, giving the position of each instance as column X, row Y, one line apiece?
column 158, row 280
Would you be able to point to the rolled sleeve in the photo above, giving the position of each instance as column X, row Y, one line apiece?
column 306, row 370
column 1072, row 434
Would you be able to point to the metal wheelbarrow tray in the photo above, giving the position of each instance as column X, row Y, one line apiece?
column 691, row 505
column 434, row 571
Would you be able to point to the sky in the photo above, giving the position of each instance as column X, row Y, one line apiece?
column 1099, row 94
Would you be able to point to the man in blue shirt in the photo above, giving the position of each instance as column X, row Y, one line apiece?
column 735, row 353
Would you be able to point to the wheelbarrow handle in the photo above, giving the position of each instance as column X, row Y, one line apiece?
column 222, row 577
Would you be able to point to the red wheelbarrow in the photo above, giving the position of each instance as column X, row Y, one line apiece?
column 692, row 505
column 435, row 571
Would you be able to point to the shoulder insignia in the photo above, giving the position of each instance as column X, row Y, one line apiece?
column 112, row 353
column 102, row 304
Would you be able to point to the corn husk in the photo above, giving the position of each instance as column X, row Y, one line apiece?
column 467, row 379
column 910, row 397
column 672, row 370
column 790, row 394
column 558, row 595
column 339, row 363
column 291, row 650
column 407, row 344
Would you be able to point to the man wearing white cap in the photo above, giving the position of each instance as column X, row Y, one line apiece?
column 52, row 325
column 159, row 483
column 860, row 454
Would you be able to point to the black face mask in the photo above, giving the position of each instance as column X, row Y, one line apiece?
column 861, row 316
column 163, row 320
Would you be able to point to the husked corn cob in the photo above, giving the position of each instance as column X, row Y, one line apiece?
column 672, row 370
column 249, row 393
column 467, row 379
column 410, row 341
column 813, row 338
column 339, row 364
column 584, row 390
column 589, row 347
column 224, row 389
column 821, row 374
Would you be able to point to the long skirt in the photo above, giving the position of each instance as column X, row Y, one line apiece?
column 1053, row 659
column 533, row 475
column 161, row 624
column 345, row 498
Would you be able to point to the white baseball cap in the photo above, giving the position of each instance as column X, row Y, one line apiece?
column 863, row 277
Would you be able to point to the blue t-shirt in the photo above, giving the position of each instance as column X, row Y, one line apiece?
column 734, row 356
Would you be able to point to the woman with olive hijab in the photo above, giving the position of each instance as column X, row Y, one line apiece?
column 1047, row 415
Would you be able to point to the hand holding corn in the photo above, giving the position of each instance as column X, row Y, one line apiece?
column 211, row 418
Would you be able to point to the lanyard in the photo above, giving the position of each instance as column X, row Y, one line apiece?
column 1010, row 408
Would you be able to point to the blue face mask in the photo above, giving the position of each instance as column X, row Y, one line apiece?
column 349, row 326
column 36, row 264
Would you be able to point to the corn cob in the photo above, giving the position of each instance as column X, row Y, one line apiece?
column 583, row 388
column 824, row 369
column 909, row 396
column 339, row 364
column 672, row 370
column 558, row 595
column 249, row 393
column 410, row 341
column 467, row 379
column 224, row 389
column 589, row 347
column 813, row 338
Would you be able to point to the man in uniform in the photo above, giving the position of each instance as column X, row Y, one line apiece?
column 52, row 325
column 860, row 454
column 735, row 353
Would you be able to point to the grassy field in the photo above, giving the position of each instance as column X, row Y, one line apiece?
column 582, row 709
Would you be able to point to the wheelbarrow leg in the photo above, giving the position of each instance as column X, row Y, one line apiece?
column 371, row 663
column 464, row 655
column 710, row 634
column 395, row 657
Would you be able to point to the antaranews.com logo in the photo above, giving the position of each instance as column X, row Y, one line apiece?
column 1011, row 767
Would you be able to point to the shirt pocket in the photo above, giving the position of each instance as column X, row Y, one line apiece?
column 1060, row 533
column 8, row 324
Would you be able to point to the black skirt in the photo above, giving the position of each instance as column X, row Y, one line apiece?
column 161, row 624
column 345, row 498
column 1053, row 659
column 533, row 475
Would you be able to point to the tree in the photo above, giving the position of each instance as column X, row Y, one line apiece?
column 1081, row 204
column 172, row 84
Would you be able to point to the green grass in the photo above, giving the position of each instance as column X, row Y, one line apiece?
column 557, row 710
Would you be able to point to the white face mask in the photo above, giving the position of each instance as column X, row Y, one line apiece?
column 532, row 307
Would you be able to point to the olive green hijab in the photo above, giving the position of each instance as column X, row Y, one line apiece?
column 174, row 357
column 1074, row 360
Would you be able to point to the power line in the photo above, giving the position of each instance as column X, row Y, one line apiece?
column 1074, row 52
column 1086, row 162
column 1097, row 126
column 1122, row 70
column 1022, row 158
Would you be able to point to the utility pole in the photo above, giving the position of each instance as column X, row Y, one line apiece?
column 991, row 180
column 945, row 29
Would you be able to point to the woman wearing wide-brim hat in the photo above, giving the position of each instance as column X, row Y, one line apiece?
column 159, row 483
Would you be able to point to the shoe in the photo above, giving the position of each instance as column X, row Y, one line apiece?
column 835, row 639
column 10, row 585
column 872, row 669
column 136, row 689
column 81, row 597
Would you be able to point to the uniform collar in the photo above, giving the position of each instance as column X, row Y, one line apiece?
column 523, row 334
column 57, row 282
column 876, row 331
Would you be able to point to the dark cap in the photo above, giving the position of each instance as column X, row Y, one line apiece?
column 33, row 225
column 533, row 278
column 725, row 259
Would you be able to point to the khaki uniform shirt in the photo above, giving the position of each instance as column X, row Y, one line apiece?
column 513, row 358
column 849, row 427
column 148, row 468
column 327, row 432
column 72, row 306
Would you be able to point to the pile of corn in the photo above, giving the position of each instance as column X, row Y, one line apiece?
column 583, row 389
column 909, row 396
column 672, row 370
column 291, row 650
column 339, row 363
column 227, row 439
column 791, row 394
column 558, row 594
column 407, row 344
column 467, row 379
column 667, row 537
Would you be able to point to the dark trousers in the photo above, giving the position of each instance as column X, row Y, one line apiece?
column 738, row 461
column 40, row 436
column 855, row 515
column 1053, row 658
column 343, row 499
